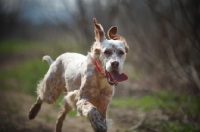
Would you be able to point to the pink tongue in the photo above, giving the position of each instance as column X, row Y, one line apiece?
column 119, row 77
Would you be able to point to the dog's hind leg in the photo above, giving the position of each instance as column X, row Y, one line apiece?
column 50, row 87
column 69, row 102
column 48, row 91
column 61, row 118
column 37, row 106
column 35, row 109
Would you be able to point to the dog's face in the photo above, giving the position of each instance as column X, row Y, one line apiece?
column 112, row 53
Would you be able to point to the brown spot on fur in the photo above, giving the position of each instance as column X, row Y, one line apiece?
column 112, row 34
column 97, row 51
column 98, row 31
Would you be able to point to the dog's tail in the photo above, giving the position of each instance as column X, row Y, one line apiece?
column 48, row 59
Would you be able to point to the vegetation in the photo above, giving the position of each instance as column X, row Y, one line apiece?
column 177, row 108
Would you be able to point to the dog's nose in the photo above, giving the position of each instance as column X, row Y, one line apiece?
column 115, row 64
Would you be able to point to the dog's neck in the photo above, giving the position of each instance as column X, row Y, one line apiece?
column 99, row 68
column 96, row 63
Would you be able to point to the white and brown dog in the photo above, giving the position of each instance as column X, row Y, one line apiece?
column 88, row 81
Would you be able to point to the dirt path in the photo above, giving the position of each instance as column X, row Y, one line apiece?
column 15, row 106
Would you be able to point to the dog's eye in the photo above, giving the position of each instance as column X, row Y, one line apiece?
column 107, row 52
column 121, row 53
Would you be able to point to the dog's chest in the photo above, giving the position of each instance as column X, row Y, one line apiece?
column 100, row 97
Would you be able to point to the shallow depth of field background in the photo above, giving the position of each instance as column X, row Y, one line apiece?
column 163, row 64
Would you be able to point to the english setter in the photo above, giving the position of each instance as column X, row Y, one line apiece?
column 88, row 81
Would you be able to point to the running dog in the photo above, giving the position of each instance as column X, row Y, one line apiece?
column 87, row 81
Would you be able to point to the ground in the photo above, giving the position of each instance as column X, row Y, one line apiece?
column 14, row 116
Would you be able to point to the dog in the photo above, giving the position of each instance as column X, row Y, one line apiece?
column 87, row 81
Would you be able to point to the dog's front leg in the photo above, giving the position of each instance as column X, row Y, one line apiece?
column 85, row 108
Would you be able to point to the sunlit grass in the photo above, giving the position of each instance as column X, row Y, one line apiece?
column 144, row 103
column 48, row 118
column 167, row 101
column 24, row 77
column 12, row 46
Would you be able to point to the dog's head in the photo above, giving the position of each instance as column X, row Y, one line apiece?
column 111, row 53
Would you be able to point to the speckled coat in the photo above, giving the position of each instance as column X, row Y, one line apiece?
column 86, row 89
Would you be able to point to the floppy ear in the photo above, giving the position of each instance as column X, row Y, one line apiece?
column 112, row 34
column 98, row 31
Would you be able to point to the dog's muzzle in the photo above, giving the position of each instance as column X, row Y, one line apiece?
column 113, row 77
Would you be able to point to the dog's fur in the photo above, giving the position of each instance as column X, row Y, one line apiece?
column 87, row 87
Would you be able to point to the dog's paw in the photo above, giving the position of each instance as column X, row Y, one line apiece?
column 96, row 121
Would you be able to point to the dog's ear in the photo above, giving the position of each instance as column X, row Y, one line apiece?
column 98, row 31
column 112, row 34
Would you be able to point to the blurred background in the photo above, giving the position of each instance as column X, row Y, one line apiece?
column 163, row 65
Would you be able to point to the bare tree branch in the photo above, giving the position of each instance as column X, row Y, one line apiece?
column 136, row 126
column 173, row 24
column 195, row 74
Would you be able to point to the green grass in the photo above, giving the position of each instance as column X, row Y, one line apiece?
column 8, row 47
column 48, row 118
column 72, row 113
column 24, row 77
column 167, row 101
column 180, row 126
column 144, row 103
column 53, row 48
column 170, row 103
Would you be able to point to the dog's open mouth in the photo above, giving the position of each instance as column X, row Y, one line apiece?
column 114, row 76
